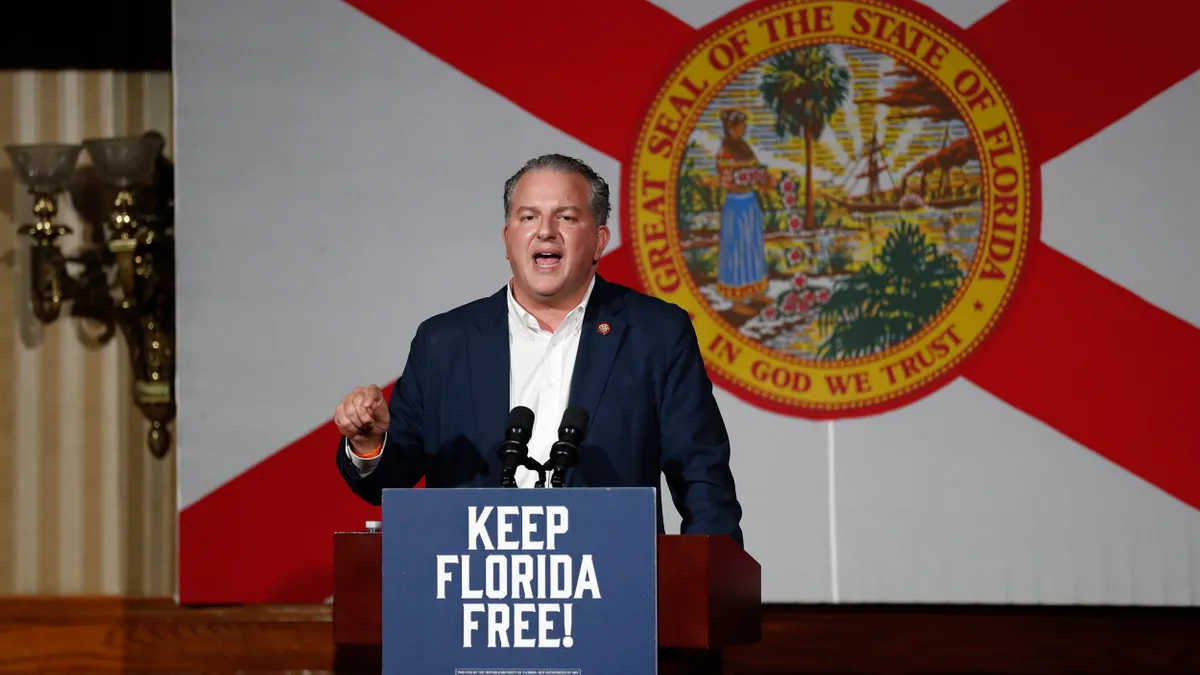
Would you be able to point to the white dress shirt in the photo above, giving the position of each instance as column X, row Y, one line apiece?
column 541, row 363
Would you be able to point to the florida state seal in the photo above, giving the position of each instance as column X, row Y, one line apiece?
column 840, row 194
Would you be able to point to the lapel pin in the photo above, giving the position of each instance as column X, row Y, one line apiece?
column 604, row 328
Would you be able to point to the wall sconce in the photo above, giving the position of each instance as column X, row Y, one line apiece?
column 126, row 268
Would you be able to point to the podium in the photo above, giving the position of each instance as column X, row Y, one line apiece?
column 708, row 593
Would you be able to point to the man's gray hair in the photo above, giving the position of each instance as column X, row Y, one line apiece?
column 598, row 196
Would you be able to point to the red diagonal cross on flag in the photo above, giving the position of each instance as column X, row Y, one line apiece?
column 1061, row 352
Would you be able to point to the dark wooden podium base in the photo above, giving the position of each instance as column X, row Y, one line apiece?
column 690, row 662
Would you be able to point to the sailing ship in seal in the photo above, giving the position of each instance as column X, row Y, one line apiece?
column 870, row 166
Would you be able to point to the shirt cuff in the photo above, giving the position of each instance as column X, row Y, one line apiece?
column 365, row 465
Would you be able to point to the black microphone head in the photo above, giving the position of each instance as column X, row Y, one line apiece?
column 519, row 425
column 574, row 425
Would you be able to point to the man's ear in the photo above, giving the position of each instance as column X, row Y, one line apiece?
column 602, row 236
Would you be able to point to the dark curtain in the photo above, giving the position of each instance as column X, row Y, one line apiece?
column 126, row 35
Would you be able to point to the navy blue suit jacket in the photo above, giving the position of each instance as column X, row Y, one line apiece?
column 643, row 384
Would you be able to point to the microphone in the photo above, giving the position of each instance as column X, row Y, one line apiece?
column 565, row 453
column 515, row 448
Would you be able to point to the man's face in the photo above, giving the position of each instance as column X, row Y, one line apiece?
column 551, row 238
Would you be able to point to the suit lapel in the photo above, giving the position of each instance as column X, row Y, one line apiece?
column 599, row 341
column 488, row 355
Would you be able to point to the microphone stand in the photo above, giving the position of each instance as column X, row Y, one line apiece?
column 534, row 465
column 563, row 456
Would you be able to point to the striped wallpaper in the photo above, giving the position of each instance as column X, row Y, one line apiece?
column 84, row 507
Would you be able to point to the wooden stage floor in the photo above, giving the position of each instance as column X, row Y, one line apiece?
column 106, row 635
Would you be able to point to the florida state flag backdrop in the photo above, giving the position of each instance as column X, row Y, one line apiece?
column 940, row 257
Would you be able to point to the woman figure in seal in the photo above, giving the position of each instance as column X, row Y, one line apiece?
column 742, row 258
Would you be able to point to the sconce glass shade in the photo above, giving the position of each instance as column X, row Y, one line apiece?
column 45, row 168
column 124, row 162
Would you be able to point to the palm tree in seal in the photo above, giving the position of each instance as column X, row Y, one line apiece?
column 804, row 88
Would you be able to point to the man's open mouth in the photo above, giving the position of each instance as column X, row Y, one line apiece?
column 546, row 259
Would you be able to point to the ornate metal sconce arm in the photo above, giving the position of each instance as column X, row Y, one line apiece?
column 49, row 282
column 45, row 170
column 137, row 247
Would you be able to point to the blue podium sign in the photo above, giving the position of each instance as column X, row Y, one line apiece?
column 497, row 581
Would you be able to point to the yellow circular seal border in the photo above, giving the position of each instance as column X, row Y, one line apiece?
column 819, row 388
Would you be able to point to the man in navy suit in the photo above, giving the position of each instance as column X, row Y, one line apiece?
column 556, row 335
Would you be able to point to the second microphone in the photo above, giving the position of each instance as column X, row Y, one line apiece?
column 563, row 454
